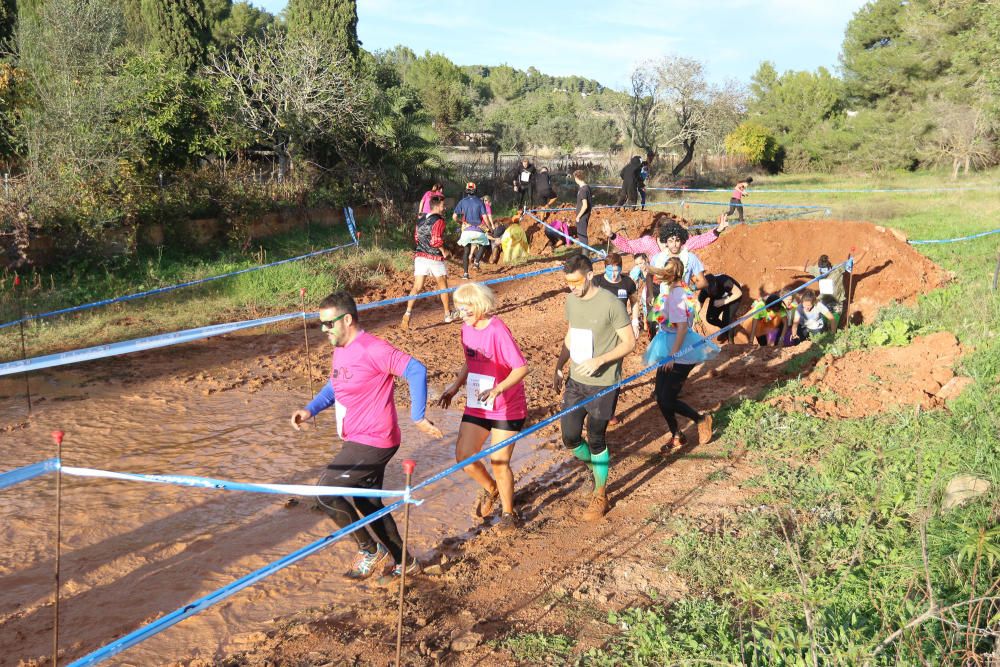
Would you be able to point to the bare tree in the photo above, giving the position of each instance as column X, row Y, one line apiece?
column 293, row 92
column 639, row 116
column 672, row 104
column 964, row 136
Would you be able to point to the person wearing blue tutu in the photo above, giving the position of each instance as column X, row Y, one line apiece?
column 678, row 348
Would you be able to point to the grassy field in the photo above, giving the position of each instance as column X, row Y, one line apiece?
column 852, row 559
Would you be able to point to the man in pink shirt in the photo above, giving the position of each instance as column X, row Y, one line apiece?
column 361, row 390
column 648, row 245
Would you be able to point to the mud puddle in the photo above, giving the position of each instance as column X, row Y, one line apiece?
column 133, row 551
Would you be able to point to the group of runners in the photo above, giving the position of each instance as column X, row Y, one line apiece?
column 605, row 313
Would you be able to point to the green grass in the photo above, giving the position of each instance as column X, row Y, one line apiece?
column 536, row 648
column 848, row 541
column 256, row 294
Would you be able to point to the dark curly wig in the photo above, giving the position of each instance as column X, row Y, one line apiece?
column 670, row 229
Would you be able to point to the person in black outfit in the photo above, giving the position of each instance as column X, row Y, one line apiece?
column 631, row 182
column 545, row 194
column 723, row 295
column 524, row 183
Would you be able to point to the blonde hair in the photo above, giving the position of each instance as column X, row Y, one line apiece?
column 476, row 295
column 674, row 271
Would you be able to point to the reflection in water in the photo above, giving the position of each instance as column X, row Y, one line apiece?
column 132, row 551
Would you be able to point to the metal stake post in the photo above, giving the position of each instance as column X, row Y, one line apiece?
column 408, row 467
column 57, row 437
column 24, row 354
column 305, row 334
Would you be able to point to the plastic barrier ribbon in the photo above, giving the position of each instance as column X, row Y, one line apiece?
column 955, row 240
column 23, row 474
column 188, row 335
column 773, row 218
column 210, row 483
column 634, row 207
column 220, row 594
column 352, row 224
column 812, row 191
column 599, row 253
column 171, row 288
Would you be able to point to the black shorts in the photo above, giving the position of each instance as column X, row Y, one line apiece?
column 514, row 425
column 357, row 465
column 603, row 408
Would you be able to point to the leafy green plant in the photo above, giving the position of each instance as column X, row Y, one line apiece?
column 895, row 332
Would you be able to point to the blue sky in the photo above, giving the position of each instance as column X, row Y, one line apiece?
column 604, row 40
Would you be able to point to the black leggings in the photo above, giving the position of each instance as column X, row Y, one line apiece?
column 723, row 317
column 735, row 206
column 628, row 196
column 363, row 467
column 476, row 255
column 668, row 388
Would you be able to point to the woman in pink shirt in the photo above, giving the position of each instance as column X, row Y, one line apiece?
column 437, row 190
column 736, row 200
column 493, row 370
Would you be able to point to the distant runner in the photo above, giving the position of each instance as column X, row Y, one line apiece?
column 429, row 254
column 736, row 200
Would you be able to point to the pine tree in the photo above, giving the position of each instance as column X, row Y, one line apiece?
column 178, row 29
column 334, row 20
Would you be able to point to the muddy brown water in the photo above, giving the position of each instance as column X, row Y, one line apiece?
column 133, row 551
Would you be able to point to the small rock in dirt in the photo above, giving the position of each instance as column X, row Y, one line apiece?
column 962, row 489
column 954, row 387
column 422, row 621
column 435, row 570
column 466, row 642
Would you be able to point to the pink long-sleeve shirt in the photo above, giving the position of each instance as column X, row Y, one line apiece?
column 648, row 244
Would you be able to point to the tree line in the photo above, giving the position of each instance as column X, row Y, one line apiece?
column 114, row 112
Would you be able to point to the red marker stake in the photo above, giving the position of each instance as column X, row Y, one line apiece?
column 57, row 437
column 20, row 324
column 408, row 466
column 305, row 334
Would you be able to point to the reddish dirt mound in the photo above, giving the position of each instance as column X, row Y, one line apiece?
column 872, row 381
column 887, row 270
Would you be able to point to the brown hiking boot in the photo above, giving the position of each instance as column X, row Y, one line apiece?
column 705, row 430
column 598, row 506
column 485, row 503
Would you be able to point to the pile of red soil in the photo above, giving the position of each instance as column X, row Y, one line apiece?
column 887, row 269
column 867, row 382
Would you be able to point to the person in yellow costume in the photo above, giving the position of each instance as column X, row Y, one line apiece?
column 514, row 242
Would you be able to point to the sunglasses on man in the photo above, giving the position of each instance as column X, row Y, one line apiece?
column 327, row 325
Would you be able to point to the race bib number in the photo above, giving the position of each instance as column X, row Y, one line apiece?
column 475, row 385
column 826, row 286
column 525, row 176
column 581, row 345
column 341, row 410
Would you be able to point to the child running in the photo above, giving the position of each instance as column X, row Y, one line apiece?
column 679, row 349
column 812, row 317
column 492, row 372
column 429, row 254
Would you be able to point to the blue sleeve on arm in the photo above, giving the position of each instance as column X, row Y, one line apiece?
column 416, row 377
column 323, row 400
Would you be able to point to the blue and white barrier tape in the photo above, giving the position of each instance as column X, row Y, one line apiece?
column 599, row 253
column 23, row 474
column 812, row 191
column 774, row 218
column 220, row 594
column 188, row 335
column 955, row 240
column 190, row 283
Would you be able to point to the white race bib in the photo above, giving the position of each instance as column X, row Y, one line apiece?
column 525, row 176
column 476, row 384
column 826, row 286
column 341, row 413
column 581, row 345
